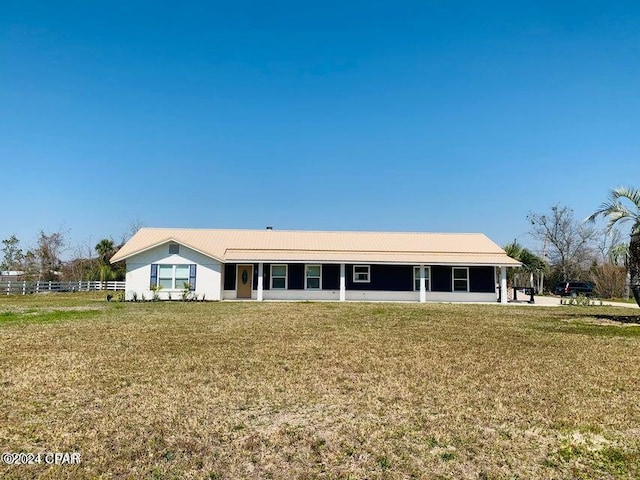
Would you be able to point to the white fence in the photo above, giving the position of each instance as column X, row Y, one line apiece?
column 9, row 287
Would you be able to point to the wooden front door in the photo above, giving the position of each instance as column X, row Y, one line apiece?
column 244, row 281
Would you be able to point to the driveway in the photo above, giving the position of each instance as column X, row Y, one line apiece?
column 549, row 301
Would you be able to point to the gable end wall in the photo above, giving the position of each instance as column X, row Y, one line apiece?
column 208, row 272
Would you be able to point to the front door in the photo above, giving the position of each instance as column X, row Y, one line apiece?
column 244, row 281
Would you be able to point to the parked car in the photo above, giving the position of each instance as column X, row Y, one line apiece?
column 573, row 289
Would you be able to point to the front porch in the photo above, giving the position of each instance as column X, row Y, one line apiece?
column 363, row 282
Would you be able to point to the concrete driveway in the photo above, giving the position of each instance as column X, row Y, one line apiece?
column 549, row 301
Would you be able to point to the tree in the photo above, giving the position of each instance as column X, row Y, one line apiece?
column 570, row 242
column 619, row 254
column 12, row 255
column 133, row 228
column 30, row 265
column 83, row 264
column 532, row 265
column 610, row 280
column 47, row 254
column 622, row 206
column 105, row 249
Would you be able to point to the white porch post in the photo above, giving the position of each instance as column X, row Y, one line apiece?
column 423, row 286
column 503, row 284
column 260, row 280
column 343, row 283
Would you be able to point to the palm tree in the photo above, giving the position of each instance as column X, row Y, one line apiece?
column 532, row 265
column 105, row 249
column 619, row 212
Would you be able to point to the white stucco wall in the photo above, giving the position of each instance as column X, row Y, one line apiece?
column 310, row 295
column 208, row 273
column 461, row 297
column 382, row 296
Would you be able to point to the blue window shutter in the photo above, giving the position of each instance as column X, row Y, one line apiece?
column 192, row 277
column 154, row 275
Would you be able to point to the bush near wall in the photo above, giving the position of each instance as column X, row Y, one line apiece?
column 610, row 280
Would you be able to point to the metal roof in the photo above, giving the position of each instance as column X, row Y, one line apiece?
column 322, row 246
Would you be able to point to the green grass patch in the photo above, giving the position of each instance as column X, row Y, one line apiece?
column 612, row 460
column 590, row 329
column 46, row 316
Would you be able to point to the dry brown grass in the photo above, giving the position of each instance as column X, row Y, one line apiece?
column 304, row 390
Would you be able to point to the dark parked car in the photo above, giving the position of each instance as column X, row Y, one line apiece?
column 573, row 289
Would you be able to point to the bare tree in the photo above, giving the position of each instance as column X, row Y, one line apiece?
column 570, row 242
column 82, row 266
column 48, row 252
column 30, row 265
column 607, row 244
column 132, row 229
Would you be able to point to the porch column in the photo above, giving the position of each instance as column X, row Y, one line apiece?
column 260, row 280
column 503, row 284
column 423, row 286
column 343, row 283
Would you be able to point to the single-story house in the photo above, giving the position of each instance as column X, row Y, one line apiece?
column 314, row 265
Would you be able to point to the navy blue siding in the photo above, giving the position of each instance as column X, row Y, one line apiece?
column 255, row 276
column 397, row 278
column 230, row 276
column 154, row 275
column 230, row 272
column 266, row 282
column 295, row 272
column 441, row 279
column 383, row 277
column 192, row 277
column 482, row 279
column 330, row 277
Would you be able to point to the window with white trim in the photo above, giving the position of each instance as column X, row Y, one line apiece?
column 173, row 277
column 416, row 278
column 361, row 273
column 313, row 277
column 460, row 279
column 278, row 277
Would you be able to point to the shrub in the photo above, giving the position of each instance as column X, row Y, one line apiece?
column 610, row 280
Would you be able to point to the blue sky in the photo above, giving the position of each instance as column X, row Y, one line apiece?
column 412, row 116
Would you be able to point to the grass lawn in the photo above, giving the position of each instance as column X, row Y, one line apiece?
column 318, row 390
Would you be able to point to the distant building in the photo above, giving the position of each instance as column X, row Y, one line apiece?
column 11, row 275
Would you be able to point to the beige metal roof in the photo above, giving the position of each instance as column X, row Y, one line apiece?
column 316, row 246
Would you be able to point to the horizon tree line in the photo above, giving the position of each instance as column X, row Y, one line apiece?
column 44, row 260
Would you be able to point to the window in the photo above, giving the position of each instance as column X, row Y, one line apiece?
column 173, row 277
column 460, row 279
column 361, row 273
column 165, row 276
column 313, row 277
column 278, row 277
column 181, row 276
column 416, row 278
column 174, row 249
